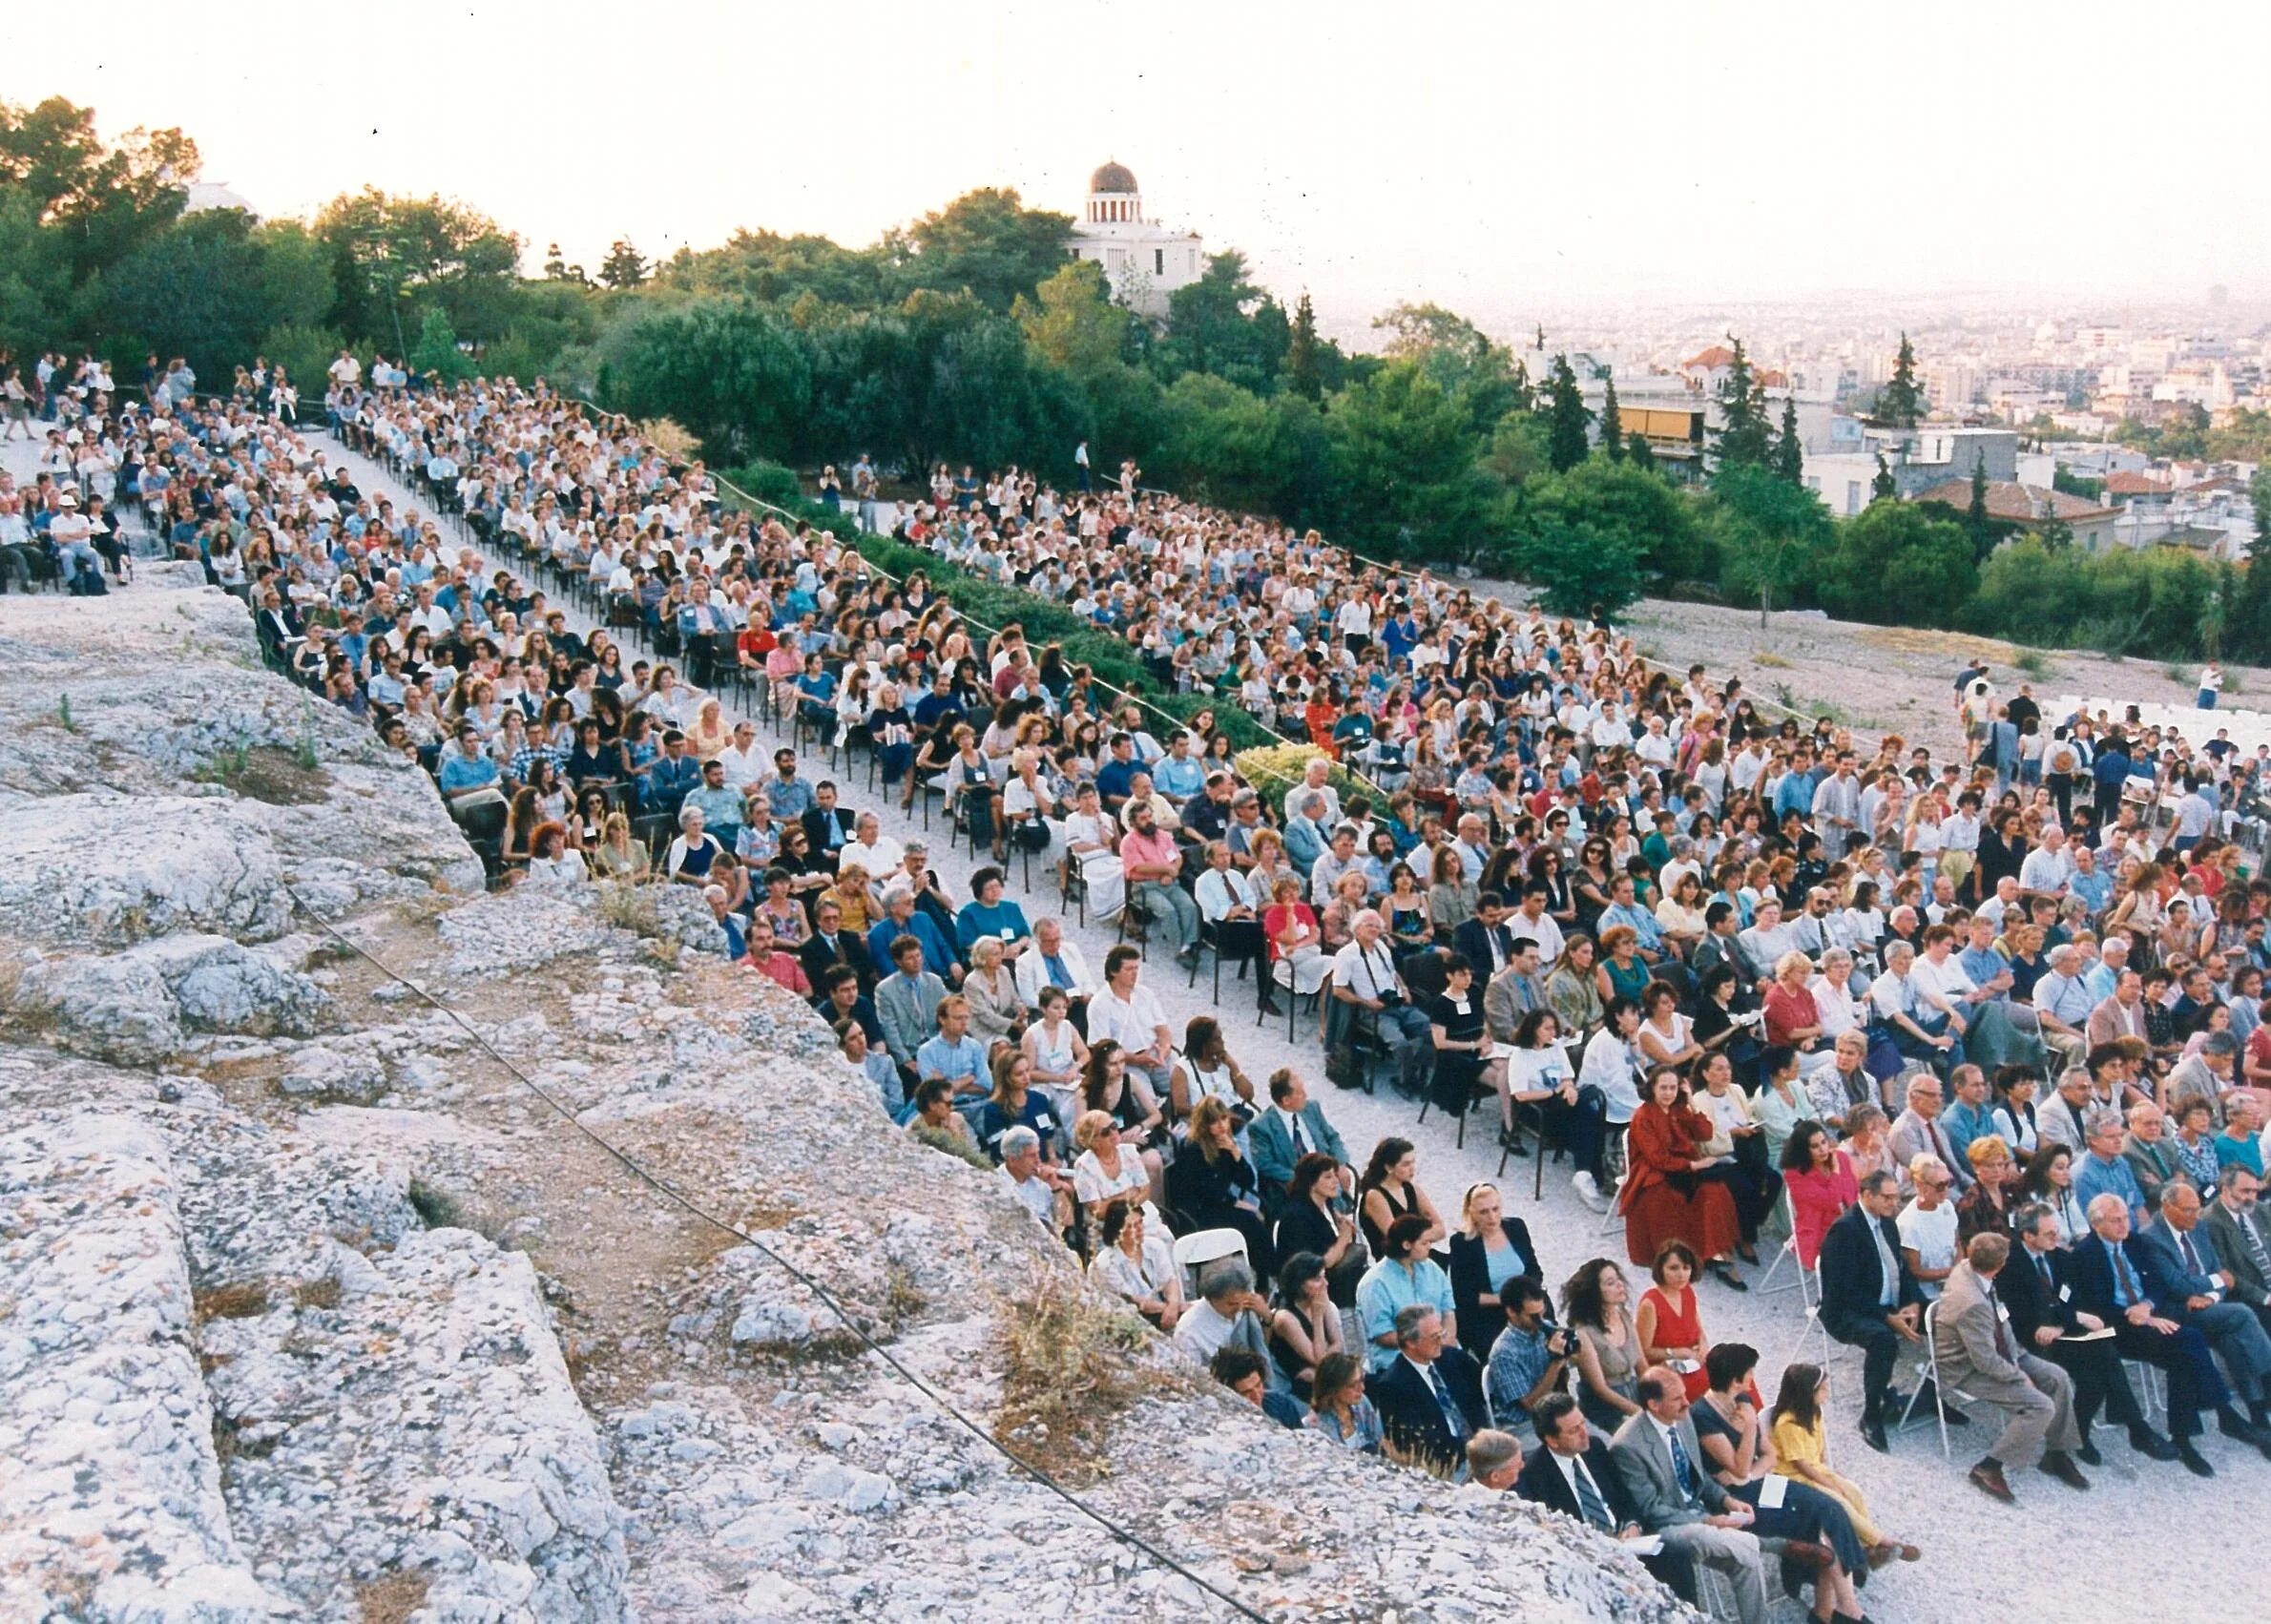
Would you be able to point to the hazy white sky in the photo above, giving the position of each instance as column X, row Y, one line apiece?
column 1481, row 156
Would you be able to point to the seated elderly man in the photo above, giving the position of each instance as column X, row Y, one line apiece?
column 2206, row 1072
column 1430, row 1393
column 1043, row 1191
column 1055, row 962
column 2189, row 1282
column 1369, row 996
column 1979, row 1356
column 2150, row 1151
column 2101, row 1169
column 1916, row 1132
column 2062, row 1006
column 1229, row 1313
column 1574, row 1474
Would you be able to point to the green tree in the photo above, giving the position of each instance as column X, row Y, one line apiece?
column 1071, row 321
column 390, row 253
column 1640, row 454
column 1900, row 402
column 2249, row 617
column 1612, row 426
column 1771, row 536
column 1579, row 565
column 1882, row 488
column 436, row 350
column 1978, row 523
column 1567, row 416
column 210, row 286
column 987, row 242
column 99, row 202
column 1789, row 451
column 1652, row 523
column 1895, row 562
column 1743, row 437
column 624, row 266
column 1303, row 374
column 736, row 376
column 1460, row 357
column 1402, row 461
column 1224, row 325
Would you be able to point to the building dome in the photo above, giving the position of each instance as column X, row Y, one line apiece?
column 1113, row 177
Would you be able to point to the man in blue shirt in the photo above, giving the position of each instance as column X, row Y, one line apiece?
column 2105, row 1171
column 1117, row 775
column 902, row 918
column 1178, row 775
column 790, row 795
column 956, row 1057
column 1970, row 1117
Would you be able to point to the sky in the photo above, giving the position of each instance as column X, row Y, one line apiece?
column 1482, row 156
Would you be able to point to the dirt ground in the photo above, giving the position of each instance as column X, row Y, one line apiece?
column 1892, row 679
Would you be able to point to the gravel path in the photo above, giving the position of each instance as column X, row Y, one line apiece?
column 1978, row 1554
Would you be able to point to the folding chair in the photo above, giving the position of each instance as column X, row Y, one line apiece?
column 1927, row 1369
column 1193, row 1252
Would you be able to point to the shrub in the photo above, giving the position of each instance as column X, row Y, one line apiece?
column 1276, row 768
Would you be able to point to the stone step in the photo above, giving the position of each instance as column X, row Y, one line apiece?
column 111, row 1501
column 400, row 1427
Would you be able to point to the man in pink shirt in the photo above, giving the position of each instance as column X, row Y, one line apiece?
column 1152, row 863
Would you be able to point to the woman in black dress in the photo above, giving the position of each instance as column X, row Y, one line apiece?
column 1307, row 1222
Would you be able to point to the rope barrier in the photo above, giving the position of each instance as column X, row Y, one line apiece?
column 675, row 1197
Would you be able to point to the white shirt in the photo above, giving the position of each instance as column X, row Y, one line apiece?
column 1931, row 1236
column 1545, row 931
column 1944, row 981
column 882, row 858
column 1609, row 1066
column 1133, row 1023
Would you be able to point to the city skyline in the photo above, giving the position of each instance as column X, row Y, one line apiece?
column 1585, row 163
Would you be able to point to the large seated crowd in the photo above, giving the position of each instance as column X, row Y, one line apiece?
column 1971, row 1049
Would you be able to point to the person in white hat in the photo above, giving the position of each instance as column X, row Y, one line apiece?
column 73, row 531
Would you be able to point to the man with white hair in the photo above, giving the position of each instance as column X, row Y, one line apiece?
column 1042, row 1190
column 2062, row 1005
column 1367, row 989
column 2112, row 958
column 1314, row 777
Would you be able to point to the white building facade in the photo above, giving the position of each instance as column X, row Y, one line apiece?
column 1144, row 261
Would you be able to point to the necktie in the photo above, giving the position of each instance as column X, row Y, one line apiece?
column 1451, row 1416
column 1684, row 1470
column 2002, row 1331
column 2192, row 1256
column 1590, row 1503
column 2132, row 1293
column 2255, row 1245
column 1939, row 1149
column 2042, row 1266
column 1890, row 1291
column 1058, row 975
column 1300, row 1139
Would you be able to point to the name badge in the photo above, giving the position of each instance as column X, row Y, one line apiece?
column 1462, row 1006
column 1009, row 933
column 2066, row 1294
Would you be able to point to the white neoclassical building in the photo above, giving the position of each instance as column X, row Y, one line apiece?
column 1144, row 261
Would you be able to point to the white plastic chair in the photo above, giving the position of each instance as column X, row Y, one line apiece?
column 1203, row 1246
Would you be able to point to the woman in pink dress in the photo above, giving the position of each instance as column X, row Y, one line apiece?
column 1821, row 1184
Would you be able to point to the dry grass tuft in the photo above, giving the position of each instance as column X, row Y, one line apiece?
column 246, row 1299
column 394, row 1600
column 322, row 1294
column 1070, row 1372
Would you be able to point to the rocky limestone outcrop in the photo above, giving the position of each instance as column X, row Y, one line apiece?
column 313, row 1308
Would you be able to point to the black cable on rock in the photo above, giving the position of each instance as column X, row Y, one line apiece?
column 671, row 1193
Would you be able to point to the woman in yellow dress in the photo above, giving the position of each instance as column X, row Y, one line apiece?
column 1802, row 1446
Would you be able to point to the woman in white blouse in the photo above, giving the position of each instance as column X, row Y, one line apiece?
column 1106, row 1168
column 1136, row 1265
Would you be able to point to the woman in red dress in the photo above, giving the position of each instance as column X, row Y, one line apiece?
column 1821, row 1184
column 1670, row 1324
column 1662, row 1199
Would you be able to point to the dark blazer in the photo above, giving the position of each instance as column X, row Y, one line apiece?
column 816, row 829
column 850, row 948
column 1852, row 1278
column 1410, row 1416
column 1473, row 943
column 1272, row 1144
column 1542, row 1482
column 2033, row 1305
column 2155, row 1252
column 2091, row 1274
column 1470, row 1279
column 2249, row 1284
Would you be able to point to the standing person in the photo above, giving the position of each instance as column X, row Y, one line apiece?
column 1080, row 465
column 2211, row 685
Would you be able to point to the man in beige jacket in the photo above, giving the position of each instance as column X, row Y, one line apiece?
column 1979, row 1357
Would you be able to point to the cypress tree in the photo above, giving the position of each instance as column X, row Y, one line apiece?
column 1566, row 446
column 1900, row 402
column 1302, row 373
column 1790, row 452
column 1881, row 488
column 1612, row 427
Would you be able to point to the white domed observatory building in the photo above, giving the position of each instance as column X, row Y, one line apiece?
column 1144, row 261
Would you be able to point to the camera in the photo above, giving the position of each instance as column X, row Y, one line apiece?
column 1561, row 1342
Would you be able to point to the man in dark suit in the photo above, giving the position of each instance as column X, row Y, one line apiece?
column 2108, row 1284
column 1431, row 1395
column 827, row 825
column 2037, row 1287
column 1292, row 1128
column 1484, row 941
column 832, row 944
column 1573, row 1475
column 2241, row 1239
column 841, row 999
column 2186, row 1277
column 1869, row 1300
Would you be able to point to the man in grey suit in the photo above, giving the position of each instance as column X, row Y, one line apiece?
column 2241, row 1239
column 1662, row 1469
column 1293, row 1127
column 1979, row 1356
